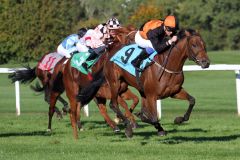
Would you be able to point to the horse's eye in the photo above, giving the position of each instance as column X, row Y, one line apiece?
column 194, row 46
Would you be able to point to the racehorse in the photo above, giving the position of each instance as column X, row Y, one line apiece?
column 27, row 75
column 76, row 84
column 161, row 80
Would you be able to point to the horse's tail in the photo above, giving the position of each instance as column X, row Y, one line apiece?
column 25, row 75
column 37, row 87
column 87, row 93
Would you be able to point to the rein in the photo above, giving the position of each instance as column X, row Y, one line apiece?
column 165, row 63
column 130, row 33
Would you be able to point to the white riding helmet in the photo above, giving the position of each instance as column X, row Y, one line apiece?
column 113, row 23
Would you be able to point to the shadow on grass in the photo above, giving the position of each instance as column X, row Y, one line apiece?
column 181, row 139
column 34, row 133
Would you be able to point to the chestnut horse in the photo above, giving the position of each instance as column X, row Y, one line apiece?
column 80, row 90
column 27, row 75
column 100, row 98
column 161, row 80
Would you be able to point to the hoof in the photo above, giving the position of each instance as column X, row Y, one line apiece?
column 128, row 131
column 49, row 130
column 81, row 129
column 134, row 125
column 116, row 120
column 138, row 114
column 65, row 110
column 116, row 130
column 178, row 120
column 59, row 116
column 162, row 133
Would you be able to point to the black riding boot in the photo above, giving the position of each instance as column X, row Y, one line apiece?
column 138, row 60
column 92, row 56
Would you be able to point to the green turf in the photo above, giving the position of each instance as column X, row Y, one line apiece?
column 212, row 132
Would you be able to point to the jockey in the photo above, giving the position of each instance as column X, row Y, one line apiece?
column 71, row 44
column 112, row 24
column 93, row 39
column 152, row 37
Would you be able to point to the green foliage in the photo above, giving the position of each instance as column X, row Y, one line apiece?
column 31, row 28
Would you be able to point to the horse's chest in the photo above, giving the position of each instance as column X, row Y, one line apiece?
column 169, row 86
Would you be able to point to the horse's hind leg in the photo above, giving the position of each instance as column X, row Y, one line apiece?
column 114, row 106
column 65, row 108
column 183, row 95
column 148, row 114
column 101, row 103
column 128, row 95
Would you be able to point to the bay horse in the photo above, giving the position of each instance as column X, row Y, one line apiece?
column 80, row 90
column 161, row 80
column 28, row 74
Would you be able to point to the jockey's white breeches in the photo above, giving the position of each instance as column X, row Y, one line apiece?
column 144, row 43
column 82, row 48
column 66, row 52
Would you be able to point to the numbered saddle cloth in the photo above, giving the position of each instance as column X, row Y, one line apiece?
column 78, row 59
column 124, row 57
column 49, row 61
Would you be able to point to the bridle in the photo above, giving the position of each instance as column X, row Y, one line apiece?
column 192, row 55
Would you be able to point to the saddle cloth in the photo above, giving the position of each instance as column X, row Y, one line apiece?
column 124, row 57
column 79, row 58
column 49, row 61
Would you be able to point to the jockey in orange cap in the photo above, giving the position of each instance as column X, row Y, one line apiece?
column 152, row 37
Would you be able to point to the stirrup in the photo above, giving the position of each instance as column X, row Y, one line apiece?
column 84, row 65
column 139, row 69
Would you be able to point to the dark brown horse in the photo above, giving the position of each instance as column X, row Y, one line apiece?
column 78, row 85
column 160, row 81
column 27, row 75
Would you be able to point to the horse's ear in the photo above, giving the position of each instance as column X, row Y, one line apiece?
column 187, row 33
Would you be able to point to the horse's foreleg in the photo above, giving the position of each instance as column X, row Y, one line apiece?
column 127, row 112
column 101, row 103
column 52, row 103
column 72, row 92
column 73, row 115
column 128, row 95
column 183, row 95
column 78, row 113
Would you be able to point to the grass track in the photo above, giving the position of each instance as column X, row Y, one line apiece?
column 212, row 132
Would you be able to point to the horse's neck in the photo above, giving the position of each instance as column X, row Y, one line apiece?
column 175, row 60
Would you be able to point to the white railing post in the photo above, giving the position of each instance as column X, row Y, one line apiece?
column 17, row 94
column 86, row 111
column 159, row 109
column 238, row 90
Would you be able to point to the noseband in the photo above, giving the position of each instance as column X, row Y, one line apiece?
column 193, row 56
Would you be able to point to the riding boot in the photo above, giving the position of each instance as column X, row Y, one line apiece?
column 138, row 60
column 92, row 56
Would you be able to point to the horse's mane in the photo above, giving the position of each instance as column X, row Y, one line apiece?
column 187, row 32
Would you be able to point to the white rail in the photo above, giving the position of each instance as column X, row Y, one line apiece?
column 216, row 67
column 17, row 92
